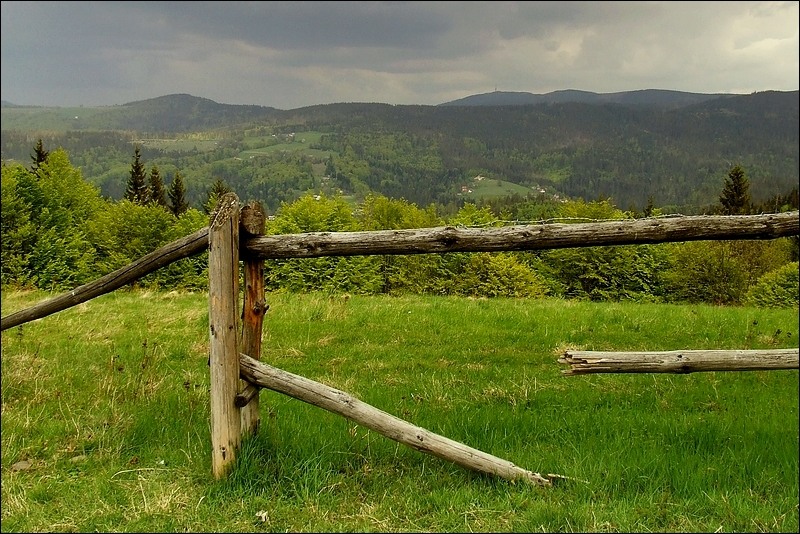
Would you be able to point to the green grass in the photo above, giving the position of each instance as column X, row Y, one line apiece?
column 263, row 145
column 180, row 144
column 108, row 401
column 490, row 188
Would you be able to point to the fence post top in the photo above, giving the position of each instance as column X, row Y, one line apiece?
column 226, row 206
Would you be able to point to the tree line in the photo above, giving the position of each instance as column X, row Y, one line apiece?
column 59, row 232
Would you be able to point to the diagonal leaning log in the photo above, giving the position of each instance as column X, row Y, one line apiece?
column 177, row 250
column 341, row 403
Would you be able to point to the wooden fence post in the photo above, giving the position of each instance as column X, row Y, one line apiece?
column 223, row 296
column 253, row 310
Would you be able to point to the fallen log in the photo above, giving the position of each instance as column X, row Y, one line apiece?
column 341, row 403
column 679, row 361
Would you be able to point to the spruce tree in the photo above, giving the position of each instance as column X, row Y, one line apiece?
column 650, row 207
column 136, row 190
column 218, row 189
column 157, row 193
column 39, row 156
column 735, row 197
column 177, row 195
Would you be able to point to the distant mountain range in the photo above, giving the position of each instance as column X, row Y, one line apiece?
column 644, row 97
column 180, row 113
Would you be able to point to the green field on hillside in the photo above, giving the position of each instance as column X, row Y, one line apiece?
column 493, row 188
column 294, row 142
column 52, row 118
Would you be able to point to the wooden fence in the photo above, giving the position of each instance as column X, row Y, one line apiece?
column 236, row 233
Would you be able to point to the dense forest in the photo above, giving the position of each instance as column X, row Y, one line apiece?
column 673, row 156
column 59, row 231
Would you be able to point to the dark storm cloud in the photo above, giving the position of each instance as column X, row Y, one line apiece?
column 291, row 54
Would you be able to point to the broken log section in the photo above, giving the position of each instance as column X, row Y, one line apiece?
column 679, row 361
column 418, row 438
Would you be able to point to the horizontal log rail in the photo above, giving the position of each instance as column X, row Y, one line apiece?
column 435, row 240
column 679, row 361
column 524, row 237
column 344, row 404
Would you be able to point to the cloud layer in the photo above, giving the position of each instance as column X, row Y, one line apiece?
column 294, row 54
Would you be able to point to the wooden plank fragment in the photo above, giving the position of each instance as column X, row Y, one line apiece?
column 679, row 361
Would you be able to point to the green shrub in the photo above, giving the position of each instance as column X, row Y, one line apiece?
column 498, row 274
column 705, row 272
column 777, row 289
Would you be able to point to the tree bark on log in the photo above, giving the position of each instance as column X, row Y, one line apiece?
column 679, row 361
column 526, row 237
column 341, row 403
column 177, row 250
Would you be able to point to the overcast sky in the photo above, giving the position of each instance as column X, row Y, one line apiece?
column 293, row 54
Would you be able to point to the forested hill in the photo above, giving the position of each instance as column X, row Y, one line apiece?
column 177, row 113
column 647, row 97
column 675, row 155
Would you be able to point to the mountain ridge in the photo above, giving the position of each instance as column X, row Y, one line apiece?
column 184, row 113
column 494, row 98
column 653, row 97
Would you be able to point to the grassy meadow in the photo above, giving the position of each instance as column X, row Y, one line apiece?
column 489, row 188
column 105, row 419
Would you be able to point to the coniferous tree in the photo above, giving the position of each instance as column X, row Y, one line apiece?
column 218, row 189
column 157, row 193
column 735, row 197
column 177, row 195
column 650, row 207
column 39, row 156
column 136, row 190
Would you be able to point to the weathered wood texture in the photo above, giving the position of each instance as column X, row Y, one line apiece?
column 678, row 361
column 343, row 404
column 252, row 223
column 526, row 237
column 177, row 250
column 223, row 296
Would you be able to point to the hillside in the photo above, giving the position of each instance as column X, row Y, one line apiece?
column 170, row 114
column 669, row 147
column 646, row 97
